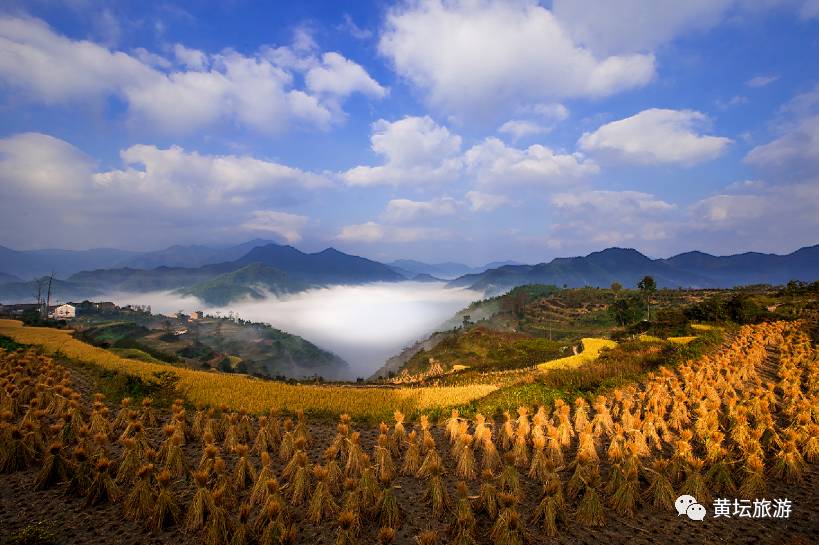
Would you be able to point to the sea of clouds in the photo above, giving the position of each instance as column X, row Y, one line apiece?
column 363, row 324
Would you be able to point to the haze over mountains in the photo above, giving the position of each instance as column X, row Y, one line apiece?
column 220, row 275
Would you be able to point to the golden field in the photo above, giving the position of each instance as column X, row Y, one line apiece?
column 591, row 350
column 241, row 391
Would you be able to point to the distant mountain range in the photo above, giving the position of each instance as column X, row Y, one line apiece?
column 30, row 264
column 267, row 267
column 628, row 267
column 191, row 256
column 447, row 271
column 221, row 275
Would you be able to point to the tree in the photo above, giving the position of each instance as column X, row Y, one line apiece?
column 616, row 287
column 647, row 286
column 626, row 310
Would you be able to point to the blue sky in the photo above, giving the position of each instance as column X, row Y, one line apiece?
column 470, row 130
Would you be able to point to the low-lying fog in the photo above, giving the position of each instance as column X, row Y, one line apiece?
column 365, row 324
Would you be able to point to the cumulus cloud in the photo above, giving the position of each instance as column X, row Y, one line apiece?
column 158, row 193
column 543, row 118
column 598, row 218
column 258, row 91
column 789, row 214
column 473, row 57
column 371, row 232
column 521, row 128
column 623, row 26
column 190, row 58
column 341, row 77
column 181, row 179
column 494, row 163
column 287, row 226
column 416, row 150
column 405, row 210
column 485, row 202
column 41, row 164
column 656, row 136
column 53, row 69
column 792, row 155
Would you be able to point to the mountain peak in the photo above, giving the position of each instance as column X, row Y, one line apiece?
column 330, row 251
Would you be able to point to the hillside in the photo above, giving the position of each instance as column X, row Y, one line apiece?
column 219, row 343
column 532, row 324
column 253, row 281
column 326, row 267
column 628, row 266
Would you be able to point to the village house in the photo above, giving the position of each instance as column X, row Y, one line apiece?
column 65, row 312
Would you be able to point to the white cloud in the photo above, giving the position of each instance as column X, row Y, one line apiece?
column 416, row 150
column 55, row 194
column 624, row 26
column 405, row 210
column 756, row 216
column 656, row 136
column 472, row 57
column 183, row 179
column 40, row 164
column 792, row 155
column 785, row 211
column 547, row 116
column 597, row 218
column 339, row 76
column 349, row 26
column 761, row 81
column 611, row 202
column 520, row 128
column 52, row 68
column 258, row 91
column 551, row 112
column 803, row 104
column 494, row 163
column 191, row 58
column 371, row 232
column 485, row 202
column 287, row 226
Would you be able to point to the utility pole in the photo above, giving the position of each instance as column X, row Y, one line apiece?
column 39, row 293
column 48, row 298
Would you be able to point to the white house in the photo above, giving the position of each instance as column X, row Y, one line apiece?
column 63, row 312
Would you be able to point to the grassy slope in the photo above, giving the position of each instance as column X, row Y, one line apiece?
column 248, row 282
